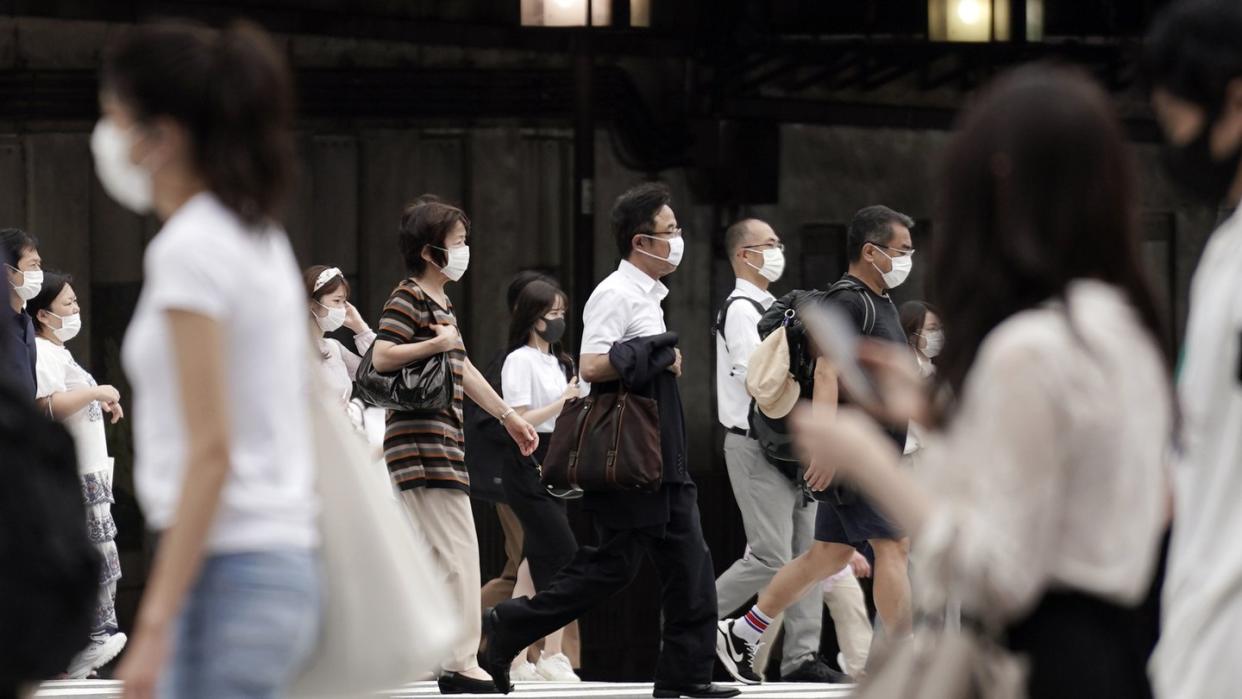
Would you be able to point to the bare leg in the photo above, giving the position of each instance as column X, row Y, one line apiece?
column 892, row 585
column 799, row 575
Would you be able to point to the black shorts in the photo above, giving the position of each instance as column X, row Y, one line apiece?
column 853, row 522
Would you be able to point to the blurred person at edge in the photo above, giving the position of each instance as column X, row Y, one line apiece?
column 76, row 401
column 425, row 450
column 24, row 271
column 925, row 335
column 196, row 129
column 1194, row 67
column 1043, row 503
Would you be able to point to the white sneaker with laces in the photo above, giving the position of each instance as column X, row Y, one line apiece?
column 556, row 668
column 99, row 653
column 525, row 672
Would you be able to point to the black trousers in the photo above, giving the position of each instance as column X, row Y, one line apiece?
column 548, row 542
column 688, row 590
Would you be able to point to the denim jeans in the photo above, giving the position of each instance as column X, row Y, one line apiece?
column 249, row 623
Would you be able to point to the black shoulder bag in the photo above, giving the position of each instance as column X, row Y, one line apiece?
column 425, row 386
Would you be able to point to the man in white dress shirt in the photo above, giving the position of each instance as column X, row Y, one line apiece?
column 1194, row 60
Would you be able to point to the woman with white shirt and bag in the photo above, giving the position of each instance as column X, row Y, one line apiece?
column 74, row 399
column 196, row 129
column 1042, row 488
column 537, row 380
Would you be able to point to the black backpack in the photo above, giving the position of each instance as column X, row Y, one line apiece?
column 718, row 328
column 51, row 570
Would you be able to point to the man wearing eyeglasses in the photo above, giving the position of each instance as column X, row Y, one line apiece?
column 881, row 254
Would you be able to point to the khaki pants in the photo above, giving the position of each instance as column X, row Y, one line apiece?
column 848, row 608
column 443, row 519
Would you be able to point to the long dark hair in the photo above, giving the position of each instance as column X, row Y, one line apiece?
column 533, row 302
column 1037, row 190
column 232, row 91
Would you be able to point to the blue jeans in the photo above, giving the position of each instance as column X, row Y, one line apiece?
column 249, row 623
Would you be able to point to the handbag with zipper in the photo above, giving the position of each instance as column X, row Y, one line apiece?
column 606, row 442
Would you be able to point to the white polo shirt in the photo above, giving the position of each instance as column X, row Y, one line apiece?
column 624, row 306
column 733, row 350
column 1202, row 613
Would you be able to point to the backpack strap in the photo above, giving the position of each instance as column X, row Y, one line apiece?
column 723, row 315
column 869, row 313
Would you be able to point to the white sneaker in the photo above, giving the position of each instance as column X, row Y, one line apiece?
column 556, row 668
column 97, row 654
column 525, row 672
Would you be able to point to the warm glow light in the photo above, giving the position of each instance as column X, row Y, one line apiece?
column 970, row 11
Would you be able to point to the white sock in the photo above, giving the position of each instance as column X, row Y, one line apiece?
column 750, row 626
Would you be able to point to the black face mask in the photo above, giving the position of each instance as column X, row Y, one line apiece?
column 1196, row 171
column 554, row 330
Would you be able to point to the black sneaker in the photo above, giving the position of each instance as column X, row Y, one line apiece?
column 737, row 656
column 817, row 671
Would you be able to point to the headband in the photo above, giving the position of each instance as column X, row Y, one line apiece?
column 326, row 276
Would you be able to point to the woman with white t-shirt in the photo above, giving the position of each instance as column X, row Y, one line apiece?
column 81, row 405
column 537, row 380
column 196, row 129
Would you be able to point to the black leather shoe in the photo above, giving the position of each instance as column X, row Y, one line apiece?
column 817, row 671
column 494, row 660
column 454, row 683
column 708, row 691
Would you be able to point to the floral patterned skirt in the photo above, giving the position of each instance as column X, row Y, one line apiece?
column 100, row 527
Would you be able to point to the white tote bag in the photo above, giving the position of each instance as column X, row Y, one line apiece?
column 387, row 619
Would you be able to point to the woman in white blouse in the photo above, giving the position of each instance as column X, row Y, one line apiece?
column 331, row 310
column 537, row 380
column 1043, row 496
column 74, row 399
column 197, row 129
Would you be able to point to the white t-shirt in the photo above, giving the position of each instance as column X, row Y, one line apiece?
column 206, row 261
column 1201, row 628
column 339, row 365
column 533, row 379
column 58, row 373
column 733, row 349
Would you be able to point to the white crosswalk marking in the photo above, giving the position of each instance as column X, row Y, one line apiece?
column 105, row 689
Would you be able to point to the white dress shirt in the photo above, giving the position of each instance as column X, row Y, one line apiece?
column 624, row 306
column 733, row 350
column 1201, row 632
column 1052, row 473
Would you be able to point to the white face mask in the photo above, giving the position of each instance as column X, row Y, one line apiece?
column 676, row 248
column 334, row 320
column 933, row 343
column 32, row 284
column 69, row 328
column 901, row 269
column 458, row 262
column 773, row 264
column 127, row 183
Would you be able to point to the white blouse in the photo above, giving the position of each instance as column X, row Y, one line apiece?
column 58, row 373
column 339, row 365
column 1053, row 472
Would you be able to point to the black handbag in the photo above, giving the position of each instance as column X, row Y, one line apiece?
column 425, row 386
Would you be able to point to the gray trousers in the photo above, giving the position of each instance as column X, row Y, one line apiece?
column 779, row 527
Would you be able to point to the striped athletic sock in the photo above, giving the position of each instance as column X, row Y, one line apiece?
column 751, row 626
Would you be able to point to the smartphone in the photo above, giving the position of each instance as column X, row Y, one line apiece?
column 837, row 339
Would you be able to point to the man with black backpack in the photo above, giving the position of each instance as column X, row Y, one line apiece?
column 881, row 253
column 778, row 520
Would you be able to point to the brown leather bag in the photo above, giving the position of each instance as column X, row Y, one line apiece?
column 606, row 442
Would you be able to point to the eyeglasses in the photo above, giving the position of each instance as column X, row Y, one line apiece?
column 674, row 232
column 765, row 246
column 899, row 251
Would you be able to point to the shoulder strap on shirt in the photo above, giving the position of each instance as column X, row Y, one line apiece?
column 847, row 284
column 723, row 315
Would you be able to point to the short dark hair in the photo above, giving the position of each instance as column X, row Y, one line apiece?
column 735, row 235
column 634, row 213
column 53, row 283
column 1194, row 49
column 872, row 224
column 232, row 91
column 14, row 242
column 427, row 222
